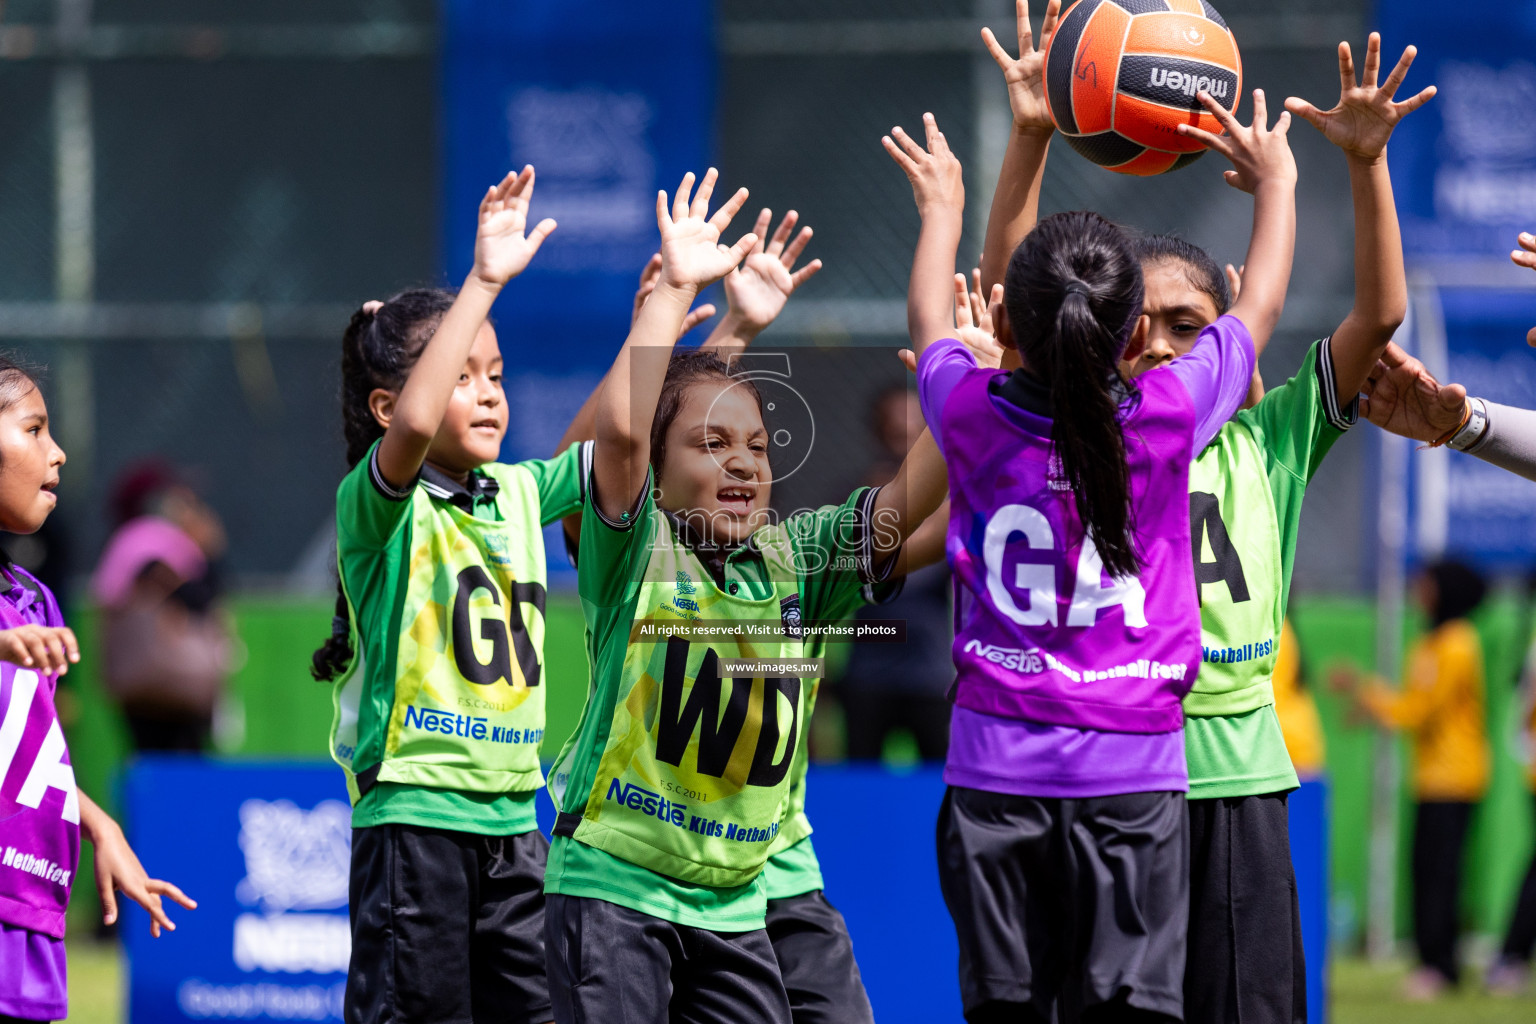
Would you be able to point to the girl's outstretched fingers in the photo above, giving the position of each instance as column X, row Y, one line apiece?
column 805, row 273
column 722, row 218
column 680, row 198
column 696, row 317
column 700, row 205
column 963, row 311
column 1525, row 256
column 908, row 359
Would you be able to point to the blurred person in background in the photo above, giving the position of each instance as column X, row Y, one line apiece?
column 165, row 637
column 1511, row 972
column 1297, row 711
column 1440, row 708
column 891, row 686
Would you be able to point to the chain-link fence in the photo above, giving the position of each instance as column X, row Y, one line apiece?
column 808, row 88
column 197, row 193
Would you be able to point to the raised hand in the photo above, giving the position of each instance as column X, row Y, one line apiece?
column 649, row 275
column 1026, row 76
column 1403, row 398
column 692, row 255
column 973, row 320
column 757, row 290
column 935, row 173
column 502, row 249
column 1525, row 256
column 49, row 649
column 1258, row 152
column 1362, row 121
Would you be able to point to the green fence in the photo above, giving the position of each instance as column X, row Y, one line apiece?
column 287, row 714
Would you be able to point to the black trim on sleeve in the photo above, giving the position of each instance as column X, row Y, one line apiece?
column 383, row 486
column 634, row 512
column 1327, row 383
column 869, row 573
column 584, row 466
column 884, row 592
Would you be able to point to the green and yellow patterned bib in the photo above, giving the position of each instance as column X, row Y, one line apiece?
column 693, row 769
column 458, row 702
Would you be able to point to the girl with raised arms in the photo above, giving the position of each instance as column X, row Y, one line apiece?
column 437, row 649
column 674, row 789
column 1063, row 837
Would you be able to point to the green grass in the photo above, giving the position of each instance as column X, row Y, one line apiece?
column 96, row 986
column 1362, row 994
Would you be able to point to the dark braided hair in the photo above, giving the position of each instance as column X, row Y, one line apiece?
column 687, row 368
column 1073, row 292
column 378, row 350
column 1199, row 269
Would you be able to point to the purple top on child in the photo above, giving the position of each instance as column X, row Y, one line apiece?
column 39, row 806
column 1069, row 682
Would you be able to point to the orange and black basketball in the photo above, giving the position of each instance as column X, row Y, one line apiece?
column 1122, row 75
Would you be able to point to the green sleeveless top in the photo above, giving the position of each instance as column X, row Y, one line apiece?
column 446, row 591
column 675, row 787
column 1245, row 497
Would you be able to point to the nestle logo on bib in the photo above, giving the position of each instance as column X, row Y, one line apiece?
column 1188, row 84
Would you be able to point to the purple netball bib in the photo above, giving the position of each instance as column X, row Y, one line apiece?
column 39, row 805
column 1047, row 635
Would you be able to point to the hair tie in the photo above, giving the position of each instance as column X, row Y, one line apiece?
column 1075, row 286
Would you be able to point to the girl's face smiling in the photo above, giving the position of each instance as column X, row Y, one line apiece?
column 29, row 463
column 716, row 473
column 476, row 419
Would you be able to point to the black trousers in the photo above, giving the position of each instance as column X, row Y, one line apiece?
column 1439, row 840
column 1520, row 940
column 612, row 965
column 1067, row 911
column 447, row 927
column 815, row 954
column 872, row 715
column 1245, row 963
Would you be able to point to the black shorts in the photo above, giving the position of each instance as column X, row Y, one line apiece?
column 1065, row 906
column 447, row 927
column 815, row 954
column 612, row 965
column 1245, row 954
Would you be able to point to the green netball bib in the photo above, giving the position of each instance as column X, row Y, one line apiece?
column 464, row 649
column 693, row 773
column 1236, row 545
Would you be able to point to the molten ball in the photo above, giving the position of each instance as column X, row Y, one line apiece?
column 1121, row 76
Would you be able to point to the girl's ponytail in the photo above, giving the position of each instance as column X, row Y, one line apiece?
column 378, row 349
column 1073, row 294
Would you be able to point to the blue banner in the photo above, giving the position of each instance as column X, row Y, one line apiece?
column 1464, row 167
column 1464, row 174
column 265, row 849
column 610, row 101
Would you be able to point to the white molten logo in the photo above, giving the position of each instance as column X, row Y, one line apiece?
column 295, row 859
column 1180, row 81
column 1194, row 37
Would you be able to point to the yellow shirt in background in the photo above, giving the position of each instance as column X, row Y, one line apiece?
column 1440, row 706
column 1296, row 709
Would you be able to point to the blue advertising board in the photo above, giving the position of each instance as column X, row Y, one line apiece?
column 1464, row 175
column 610, row 103
column 1464, row 167
column 265, row 849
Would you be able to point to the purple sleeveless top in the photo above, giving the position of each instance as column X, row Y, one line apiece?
column 1051, row 637
column 39, row 806
column 1003, row 753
